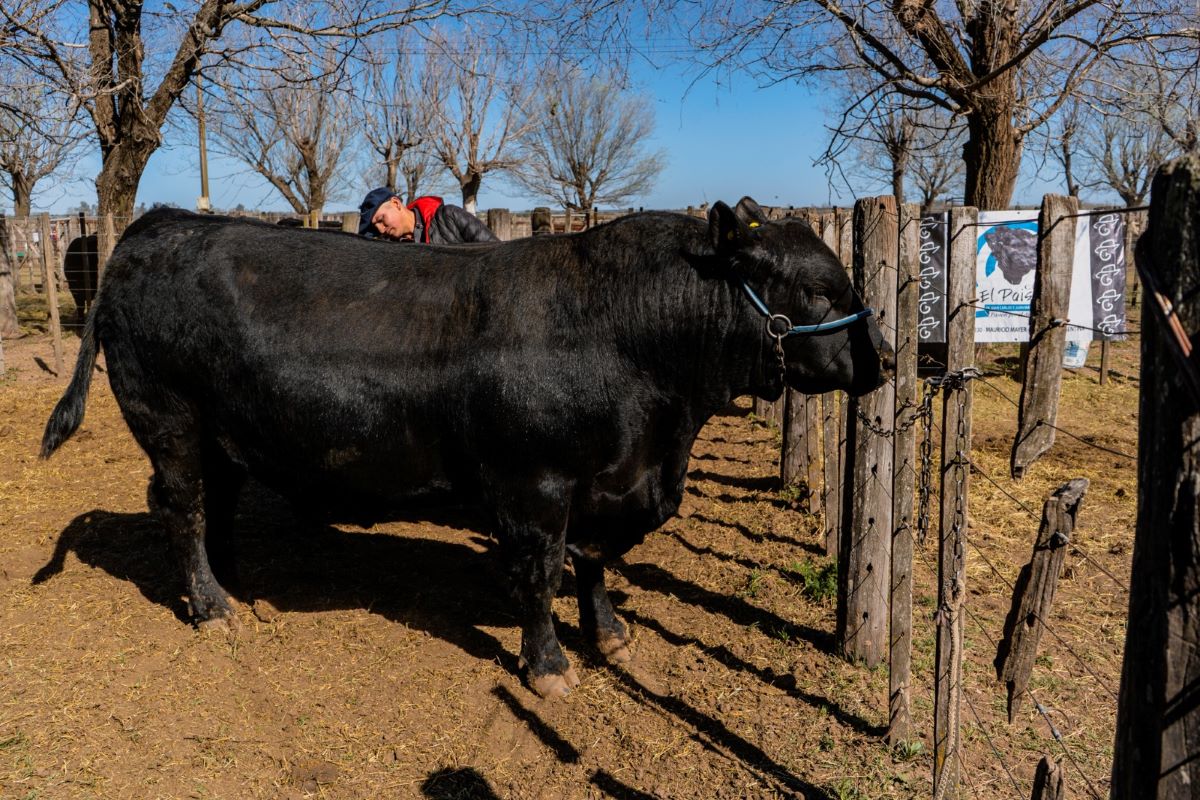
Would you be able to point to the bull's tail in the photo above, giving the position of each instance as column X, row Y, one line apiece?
column 68, row 414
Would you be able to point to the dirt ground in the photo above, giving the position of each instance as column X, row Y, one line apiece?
column 382, row 663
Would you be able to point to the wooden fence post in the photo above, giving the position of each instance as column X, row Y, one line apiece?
column 864, row 563
column 1049, row 781
column 832, row 434
column 793, row 456
column 50, row 277
column 500, row 221
column 1158, row 714
column 9, row 282
column 1042, row 369
column 350, row 222
column 954, row 488
column 904, row 474
column 1035, row 589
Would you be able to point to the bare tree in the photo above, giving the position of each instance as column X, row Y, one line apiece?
column 1004, row 66
column 1064, row 137
column 291, row 126
column 1138, row 118
column 477, row 93
column 891, row 139
column 585, row 143
column 40, row 134
column 937, row 166
column 395, row 116
column 128, row 64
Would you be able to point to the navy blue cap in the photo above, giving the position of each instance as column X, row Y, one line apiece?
column 370, row 204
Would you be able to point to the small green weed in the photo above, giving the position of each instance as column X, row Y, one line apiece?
column 818, row 582
column 754, row 584
column 907, row 751
column 846, row 790
column 16, row 740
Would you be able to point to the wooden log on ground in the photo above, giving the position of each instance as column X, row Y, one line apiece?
column 1042, row 370
column 1158, row 713
column 904, row 471
column 50, row 279
column 1033, row 596
column 954, row 490
column 864, row 563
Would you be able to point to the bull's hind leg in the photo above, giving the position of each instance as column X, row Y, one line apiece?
column 223, row 481
column 176, row 497
column 597, row 619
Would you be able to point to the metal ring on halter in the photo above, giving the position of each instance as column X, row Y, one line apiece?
column 787, row 326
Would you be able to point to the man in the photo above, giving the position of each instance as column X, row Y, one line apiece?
column 426, row 219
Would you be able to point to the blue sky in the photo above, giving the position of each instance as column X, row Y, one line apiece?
column 721, row 143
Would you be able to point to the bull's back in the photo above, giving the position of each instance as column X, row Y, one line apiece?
column 290, row 353
column 322, row 363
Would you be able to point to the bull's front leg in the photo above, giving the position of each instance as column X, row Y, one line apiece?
column 533, row 547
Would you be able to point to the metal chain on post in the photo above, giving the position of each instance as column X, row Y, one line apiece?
column 925, row 479
column 949, row 613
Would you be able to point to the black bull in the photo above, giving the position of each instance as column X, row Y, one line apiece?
column 555, row 384
column 80, row 265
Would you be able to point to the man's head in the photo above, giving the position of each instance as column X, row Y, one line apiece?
column 383, row 214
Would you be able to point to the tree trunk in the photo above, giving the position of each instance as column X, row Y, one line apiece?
column 1072, row 186
column 117, row 183
column 470, row 190
column 8, row 298
column 22, row 189
column 898, row 184
column 392, row 174
column 992, row 156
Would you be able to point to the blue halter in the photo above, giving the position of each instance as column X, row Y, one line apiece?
column 792, row 330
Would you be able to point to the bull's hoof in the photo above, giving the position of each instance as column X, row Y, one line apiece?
column 219, row 626
column 555, row 686
column 215, row 615
column 614, row 648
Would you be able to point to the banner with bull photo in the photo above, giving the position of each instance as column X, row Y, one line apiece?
column 1006, row 261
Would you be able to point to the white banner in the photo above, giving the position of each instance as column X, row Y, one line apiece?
column 1006, row 260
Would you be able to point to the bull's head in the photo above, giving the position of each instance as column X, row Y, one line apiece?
column 806, row 301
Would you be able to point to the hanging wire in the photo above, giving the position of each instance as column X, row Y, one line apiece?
column 1054, row 732
column 999, row 756
column 1058, row 737
column 983, row 473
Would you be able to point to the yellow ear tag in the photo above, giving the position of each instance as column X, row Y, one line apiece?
column 753, row 224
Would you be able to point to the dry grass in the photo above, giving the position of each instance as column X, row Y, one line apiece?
column 380, row 664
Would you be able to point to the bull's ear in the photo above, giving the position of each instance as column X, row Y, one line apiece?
column 750, row 212
column 725, row 229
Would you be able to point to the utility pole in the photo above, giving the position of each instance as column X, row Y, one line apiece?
column 202, row 202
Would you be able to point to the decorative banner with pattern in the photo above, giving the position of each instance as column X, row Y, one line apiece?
column 931, row 303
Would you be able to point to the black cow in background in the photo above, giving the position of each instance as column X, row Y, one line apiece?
column 554, row 383
column 81, row 266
